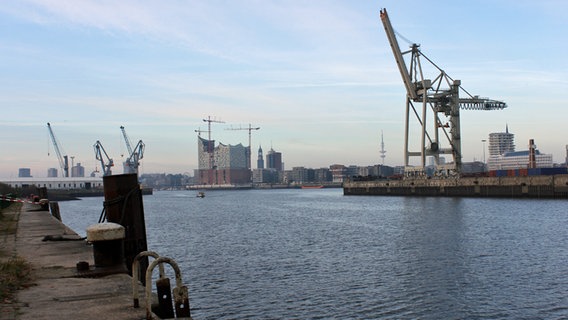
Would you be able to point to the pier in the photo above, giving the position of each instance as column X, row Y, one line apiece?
column 553, row 186
column 57, row 289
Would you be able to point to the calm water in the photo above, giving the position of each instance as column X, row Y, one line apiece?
column 316, row 254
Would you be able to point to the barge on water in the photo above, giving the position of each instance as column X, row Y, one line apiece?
column 541, row 186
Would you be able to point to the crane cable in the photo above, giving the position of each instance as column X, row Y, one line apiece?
column 403, row 37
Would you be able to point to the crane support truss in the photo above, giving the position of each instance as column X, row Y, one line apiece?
column 441, row 99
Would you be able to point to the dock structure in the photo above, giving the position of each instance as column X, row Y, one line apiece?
column 58, row 290
column 553, row 186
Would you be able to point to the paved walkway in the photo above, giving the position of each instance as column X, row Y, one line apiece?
column 57, row 292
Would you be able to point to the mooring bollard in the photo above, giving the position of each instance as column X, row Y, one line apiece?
column 136, row 274
column 180, row 292
column 108, row 243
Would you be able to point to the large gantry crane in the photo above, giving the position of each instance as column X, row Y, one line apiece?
column 441, row 96
column 134, row 155
column 63, row 159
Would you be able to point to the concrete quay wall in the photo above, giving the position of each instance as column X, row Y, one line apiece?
column 59, row 290
column 554, row 186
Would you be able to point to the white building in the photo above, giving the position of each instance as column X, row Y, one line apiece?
column 518, row 160
column 57, row 183
column 502, row 154
column 501, row 143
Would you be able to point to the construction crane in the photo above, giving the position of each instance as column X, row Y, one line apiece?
column 134, row 155
column 248, row 150
column 210, row 147
column 99, row 153
column 63, row 159
column 441, row 96
column 199, row 131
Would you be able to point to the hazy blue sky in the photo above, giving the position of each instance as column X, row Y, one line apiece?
column 317, row 76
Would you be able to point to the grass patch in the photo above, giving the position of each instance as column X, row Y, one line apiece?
column 14, row 274
column 8, row 219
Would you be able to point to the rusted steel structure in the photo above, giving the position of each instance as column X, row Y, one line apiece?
column 123, row 205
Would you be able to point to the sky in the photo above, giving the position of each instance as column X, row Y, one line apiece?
column 318, row 77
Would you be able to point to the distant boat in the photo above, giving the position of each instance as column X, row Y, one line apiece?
column 312, row 187
column 201, row 194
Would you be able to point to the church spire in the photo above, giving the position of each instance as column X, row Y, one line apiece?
column 260, row 161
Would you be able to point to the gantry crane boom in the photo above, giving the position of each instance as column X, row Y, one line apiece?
column 134, row 155
column 248, row 150
column 440, row 96
column 99, row 153
column 63, row 159
column 410, row 90
column 127, row 140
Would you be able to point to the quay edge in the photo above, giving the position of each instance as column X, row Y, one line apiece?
column 549, row 186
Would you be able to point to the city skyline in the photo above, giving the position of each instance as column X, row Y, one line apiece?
column 318, row 78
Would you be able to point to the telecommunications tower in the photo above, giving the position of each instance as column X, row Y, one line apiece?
column 383, row 151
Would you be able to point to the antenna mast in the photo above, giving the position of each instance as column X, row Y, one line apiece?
column 383, row 151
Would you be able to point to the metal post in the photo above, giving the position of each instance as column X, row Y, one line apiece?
column 54, row 208
column 123, row 203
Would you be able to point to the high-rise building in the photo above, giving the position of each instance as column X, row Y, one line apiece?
column 501, row 142
column 78, row 170
column 205, row 149
column 52, row 173
column 274, row 160
column 222, row 164
column 260, row 161
column 228, row 156
column 502, row 154
column 24, row 173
